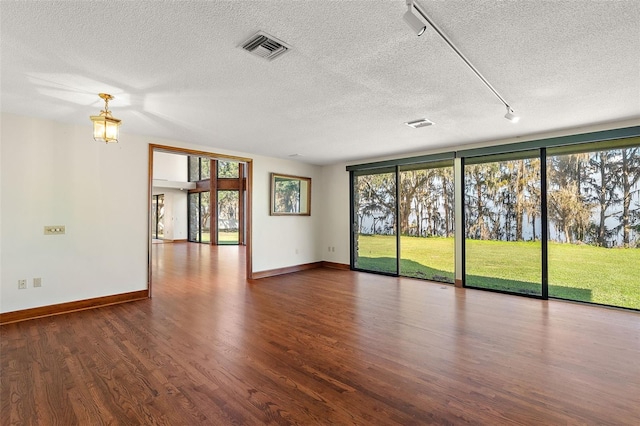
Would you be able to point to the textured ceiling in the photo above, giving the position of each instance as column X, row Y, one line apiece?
column 354, row 75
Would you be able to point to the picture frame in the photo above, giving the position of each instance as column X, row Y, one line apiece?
column 290, row 195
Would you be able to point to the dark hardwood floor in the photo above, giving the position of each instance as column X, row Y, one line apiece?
column 319, row 347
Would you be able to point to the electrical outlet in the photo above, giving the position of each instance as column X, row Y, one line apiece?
column 37, row 282
column 54, row 230
column 22, row 284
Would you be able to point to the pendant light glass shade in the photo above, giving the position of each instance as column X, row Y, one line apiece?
column 105, row 126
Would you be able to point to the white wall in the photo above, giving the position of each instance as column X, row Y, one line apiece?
column 175, row 213
column 172, row 167
column 281, row 241
column 55, row 174
column 335, row 214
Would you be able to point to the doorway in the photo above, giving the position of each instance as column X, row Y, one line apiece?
column 213, row 209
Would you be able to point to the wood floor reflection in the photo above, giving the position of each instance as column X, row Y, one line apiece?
column 319, row 347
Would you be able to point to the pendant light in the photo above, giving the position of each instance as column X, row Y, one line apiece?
column 105, row 126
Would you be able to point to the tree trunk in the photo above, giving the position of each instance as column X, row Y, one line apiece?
column 627, row 185
column 519, row 199
column 602, row 200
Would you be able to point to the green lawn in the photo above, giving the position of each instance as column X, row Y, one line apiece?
column 223, row 237
column 576, row 272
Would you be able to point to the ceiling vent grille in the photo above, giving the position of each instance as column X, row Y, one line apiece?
column 422, row 122
column 265, row 46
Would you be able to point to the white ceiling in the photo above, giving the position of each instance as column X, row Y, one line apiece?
column 355, row 73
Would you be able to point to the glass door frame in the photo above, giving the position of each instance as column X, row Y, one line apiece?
column 544, row 277
column 354, row 227
column 425, row 162
column 199, row 210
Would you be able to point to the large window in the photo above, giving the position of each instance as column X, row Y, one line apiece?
column 200, row 217
column 199, row 205
column 199, row 168
column 228, row 217
column 594, row 224
column 503, row 249
column 228, row 169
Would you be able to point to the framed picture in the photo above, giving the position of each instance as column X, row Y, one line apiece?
column 290, row 195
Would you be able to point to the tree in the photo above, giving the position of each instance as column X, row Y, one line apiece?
column 564, row 173
column 627, row 176
column 375, row 198
column 482, row 182
column 228, row 169
column 412, row 183
column 602, row 183
column 448, row 198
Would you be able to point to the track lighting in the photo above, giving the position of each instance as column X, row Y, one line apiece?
column 511, row 115
column 414, row 22
column 418, row 26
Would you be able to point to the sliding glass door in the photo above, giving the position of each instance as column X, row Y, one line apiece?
column 374, row 227
column 594, row 223
column 503, row 228
column 553, row 218
column 427, row 221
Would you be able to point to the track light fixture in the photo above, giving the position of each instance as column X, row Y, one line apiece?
column 511, row 116
column 418, row 26
column 414, row 22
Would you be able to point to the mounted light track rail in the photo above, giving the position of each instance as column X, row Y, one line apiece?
column 416, row 25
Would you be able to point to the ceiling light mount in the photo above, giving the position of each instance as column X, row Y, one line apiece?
column 413, row 5
column 511, row 115
column 105, row 126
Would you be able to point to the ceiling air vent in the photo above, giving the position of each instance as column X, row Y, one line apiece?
column 265, row 46
column 422, row 122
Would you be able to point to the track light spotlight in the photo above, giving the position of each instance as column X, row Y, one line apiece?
column 511, row 115
column 414, row 22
